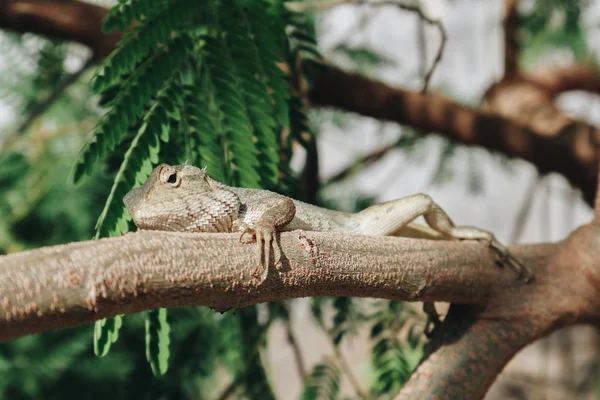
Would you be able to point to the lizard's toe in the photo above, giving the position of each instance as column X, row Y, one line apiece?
column 264, row 239
column 504, row 257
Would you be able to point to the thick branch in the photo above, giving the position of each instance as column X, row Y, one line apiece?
column 565, row 153
column 61, row 286
column 511, row 43
column 475, row 342
column 66, row 285
column 69, row 20
column 564, row 79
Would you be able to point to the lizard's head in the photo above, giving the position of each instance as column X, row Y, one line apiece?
column 182, row 198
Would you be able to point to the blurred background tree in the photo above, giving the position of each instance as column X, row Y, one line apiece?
column 204, row 87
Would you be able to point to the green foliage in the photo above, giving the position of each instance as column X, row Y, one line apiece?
column 198, row 81
column 323, row 383
column 393, row 361
column 60, row 365
column 346, row 318
column 363, row 59
column 444, row 171
column 553, row 24
column 157, row 340
column 106, row 332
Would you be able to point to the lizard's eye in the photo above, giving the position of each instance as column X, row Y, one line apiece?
column 170, row 178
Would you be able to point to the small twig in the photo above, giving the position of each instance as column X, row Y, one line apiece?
column 291, row 338
column 443, row 38
column 511, row 42
column 597, row 203
column 364, row 161
column 524, row 211
column 422, row 46
column 546, row 212
column 43, row 105
column 324, row 5
column 229, row 390
column 341, row 360
column 343, row 364
column 310, row 173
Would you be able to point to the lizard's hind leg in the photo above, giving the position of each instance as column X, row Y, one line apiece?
column 390, row 217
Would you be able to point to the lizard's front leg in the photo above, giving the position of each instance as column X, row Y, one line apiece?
column 387, row 218
column 262, row 220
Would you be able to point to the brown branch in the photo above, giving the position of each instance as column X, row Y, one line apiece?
column 511, row 43
column 61, row 19
column 443, row 38
column 475, row 342
column 563, row 79
column 46, row 103
column 61, row 286
column 568, row 152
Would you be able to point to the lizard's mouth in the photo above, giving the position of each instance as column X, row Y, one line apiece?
column 132, row 200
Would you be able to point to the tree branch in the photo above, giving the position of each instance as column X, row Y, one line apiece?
column 61, row 19
column 566, row 152
column 44, row 104
column 61, row 286
column 563, row 79
column 67, row 285
column 475, row 342
column 511, row 43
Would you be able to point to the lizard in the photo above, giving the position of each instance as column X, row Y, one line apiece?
column 183, row 198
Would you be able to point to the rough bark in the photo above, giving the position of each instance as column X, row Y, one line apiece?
column 66, row 285
column 60, row 286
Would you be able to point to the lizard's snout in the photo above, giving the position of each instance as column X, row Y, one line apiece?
column 132, row 200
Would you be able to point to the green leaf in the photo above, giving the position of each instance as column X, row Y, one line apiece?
column 106, row 332
column 137, row 162
column 323, row 382
column 157, row 341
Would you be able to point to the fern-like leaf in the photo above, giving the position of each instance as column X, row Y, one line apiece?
column 160, row 21
column 157, row 341
column 323, row 382
column 134, row 95
column 234, row 125
column 106, row 332
column 139, row 160
column 203, row 125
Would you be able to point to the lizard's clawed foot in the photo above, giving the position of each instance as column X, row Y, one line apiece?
column 264, row 236
column 504, row 257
